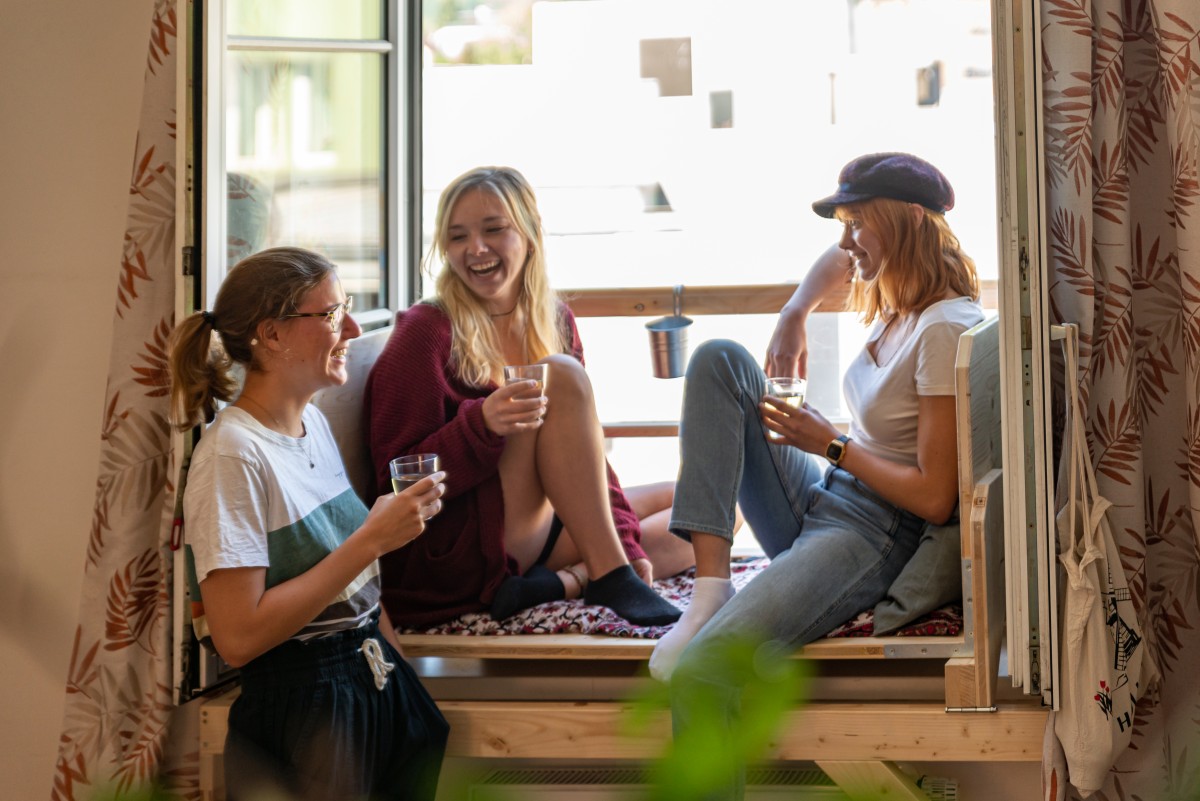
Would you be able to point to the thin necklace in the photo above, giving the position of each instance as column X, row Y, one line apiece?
column 504, row 314
column 303, row 437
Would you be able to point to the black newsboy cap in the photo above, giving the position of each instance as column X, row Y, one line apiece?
column 899, row 176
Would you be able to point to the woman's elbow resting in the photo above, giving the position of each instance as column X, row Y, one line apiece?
column 237, row 651
column 234, row 657
column 939, row 511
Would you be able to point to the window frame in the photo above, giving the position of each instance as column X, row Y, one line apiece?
column 401, row 154
column 1022, row 282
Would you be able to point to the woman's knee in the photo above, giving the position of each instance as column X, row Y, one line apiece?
column 646, row 499
column 567, row 378
column 716, row 351
column 718, row 357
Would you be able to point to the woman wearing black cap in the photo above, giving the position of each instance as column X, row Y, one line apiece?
column 838, row 515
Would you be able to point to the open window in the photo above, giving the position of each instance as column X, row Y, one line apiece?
column 671, row 143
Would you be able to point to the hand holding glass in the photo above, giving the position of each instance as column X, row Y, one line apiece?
column 408, row 470
column 791, row 390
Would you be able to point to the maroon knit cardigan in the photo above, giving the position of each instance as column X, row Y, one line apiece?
column 414, row 404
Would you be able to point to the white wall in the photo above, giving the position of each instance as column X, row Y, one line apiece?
column 69, row 101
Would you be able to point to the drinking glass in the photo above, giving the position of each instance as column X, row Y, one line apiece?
column 526, row 372
column 791, row 390
column 408, row 470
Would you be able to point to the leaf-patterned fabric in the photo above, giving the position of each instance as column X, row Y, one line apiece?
column 119, row 705
column 1121, row 93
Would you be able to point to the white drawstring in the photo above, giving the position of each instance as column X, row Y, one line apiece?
column 379, row 666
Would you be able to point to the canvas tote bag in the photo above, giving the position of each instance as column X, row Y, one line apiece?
column 1105, row 663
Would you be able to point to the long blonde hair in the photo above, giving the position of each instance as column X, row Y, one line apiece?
column 475, row 350
column 266, row 285
column 920, row 262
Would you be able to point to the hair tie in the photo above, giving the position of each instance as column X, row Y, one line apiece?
column 209, row 318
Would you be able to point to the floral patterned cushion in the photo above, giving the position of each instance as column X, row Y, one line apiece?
column 575, row 617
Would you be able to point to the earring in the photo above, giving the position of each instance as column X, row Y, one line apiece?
column 254, row 342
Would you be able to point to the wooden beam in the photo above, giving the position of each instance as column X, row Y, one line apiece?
column 641, row 429
column 582, row 730
column 658, row 301
column 871, row 780
column 697, row 300
column 826, row 731
column 596, row 647
column 663, row 428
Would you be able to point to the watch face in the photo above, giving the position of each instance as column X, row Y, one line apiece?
column 836, row 448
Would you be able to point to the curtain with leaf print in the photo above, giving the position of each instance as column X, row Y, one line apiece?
column 1121, row 98
column 119, row 702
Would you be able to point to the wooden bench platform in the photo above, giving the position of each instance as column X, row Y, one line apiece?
column 855, row 741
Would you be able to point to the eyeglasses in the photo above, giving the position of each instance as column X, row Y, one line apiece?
column 335, row 316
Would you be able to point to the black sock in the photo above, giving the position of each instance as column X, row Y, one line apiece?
column 623, row 592
column 537, row 586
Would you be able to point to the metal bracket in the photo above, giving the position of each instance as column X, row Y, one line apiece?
column 971, row 709
column 677, row 300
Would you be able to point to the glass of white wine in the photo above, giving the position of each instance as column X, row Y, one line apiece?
column 408, row 470
column 526, row 372
column 792, row 390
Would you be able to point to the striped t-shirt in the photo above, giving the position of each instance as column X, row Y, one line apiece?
column 258, row 498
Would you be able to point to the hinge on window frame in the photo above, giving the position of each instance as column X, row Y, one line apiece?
column 1035, row 668
column 189, row 266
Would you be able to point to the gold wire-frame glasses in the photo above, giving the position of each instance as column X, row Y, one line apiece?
column 335, row 316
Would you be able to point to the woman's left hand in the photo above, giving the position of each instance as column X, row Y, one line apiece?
column 804, row 428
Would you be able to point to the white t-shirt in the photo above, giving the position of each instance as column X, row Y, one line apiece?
column 258, row 498
column 882, row 398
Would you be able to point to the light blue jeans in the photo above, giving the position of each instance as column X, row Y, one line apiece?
column 835, row 546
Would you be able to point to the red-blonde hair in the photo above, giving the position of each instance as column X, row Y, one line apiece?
column 921, row 260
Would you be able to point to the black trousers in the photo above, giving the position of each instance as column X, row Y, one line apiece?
column 311, row 724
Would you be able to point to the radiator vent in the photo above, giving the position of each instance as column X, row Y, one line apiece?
column 623, row 784
column 939, row 789
column 784, row 777
column 587, row 776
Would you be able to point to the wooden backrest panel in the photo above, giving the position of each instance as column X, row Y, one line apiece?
column 977, row 400
column 970, row 683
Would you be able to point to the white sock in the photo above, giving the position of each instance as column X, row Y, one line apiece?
column 709, row 594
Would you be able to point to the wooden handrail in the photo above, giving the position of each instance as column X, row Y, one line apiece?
column 700, row 300
column 642, row 429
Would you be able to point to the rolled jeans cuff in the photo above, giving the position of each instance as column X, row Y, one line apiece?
column 684, row 530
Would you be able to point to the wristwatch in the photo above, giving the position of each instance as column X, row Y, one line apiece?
column 836, row 450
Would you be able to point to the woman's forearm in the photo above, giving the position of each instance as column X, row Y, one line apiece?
column 248, row 620
column 928, row 489
column 827, row 276
column 927, row 494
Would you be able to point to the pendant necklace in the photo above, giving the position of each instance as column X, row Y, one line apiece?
column 304, row 443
